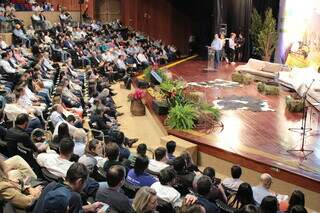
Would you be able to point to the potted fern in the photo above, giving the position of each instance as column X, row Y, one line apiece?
column 182, row 117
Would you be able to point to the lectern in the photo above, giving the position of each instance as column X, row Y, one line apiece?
column 210, row 66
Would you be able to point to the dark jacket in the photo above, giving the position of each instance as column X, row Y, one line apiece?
column 17, row 135
column 117, row 200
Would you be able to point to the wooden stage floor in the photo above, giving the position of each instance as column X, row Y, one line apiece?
column 257, row 140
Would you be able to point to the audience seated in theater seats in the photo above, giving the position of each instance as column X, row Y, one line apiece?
column 94, row 56
column 297, row 198
column 269, row 204
column 234, row 182
column 18, row 134
column 63, row 132
column 55, row 195
column 141, row 152
column 77, row 134
column 93, row 155
column 112, row 153
column 249, row 209
column 13, row 183
column 244, row 196
column 160, row 161
column 204, row 186
column 58, row 164
column 164, row 188
column 171, row 147
column 298, row 209
column 193, row 208
column 217, row 191
column 190, row 166
column 18, row 32
column 137, row 176
column 263, row 189
column 113, row 195
column 145, row 200
column 184, row 178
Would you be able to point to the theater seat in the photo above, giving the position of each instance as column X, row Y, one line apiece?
column 164, row 207
column 4, row 148
column 50, row 177
column 130, row 190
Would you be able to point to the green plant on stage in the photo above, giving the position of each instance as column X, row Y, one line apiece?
column 182, row 117
column 268, row 89
column 170, row 86
column 268, row 36
column 255, row 29
column 294, row 105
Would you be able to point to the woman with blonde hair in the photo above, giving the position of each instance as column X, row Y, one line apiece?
column 145, row 201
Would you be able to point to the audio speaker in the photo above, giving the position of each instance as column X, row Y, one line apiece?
column 223, row 29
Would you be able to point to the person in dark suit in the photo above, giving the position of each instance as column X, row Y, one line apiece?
column 112, row 196
column 204, row 186
column 18, row 134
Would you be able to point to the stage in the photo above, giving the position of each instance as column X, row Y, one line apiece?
column 256, row 140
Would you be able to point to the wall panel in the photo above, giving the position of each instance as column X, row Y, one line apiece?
column 159, row 19
column 73, row 5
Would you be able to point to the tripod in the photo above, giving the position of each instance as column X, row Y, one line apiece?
column 303, row 130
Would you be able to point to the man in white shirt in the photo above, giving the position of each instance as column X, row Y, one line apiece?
column 164, row 188
column 58, row 164
column 142, row 58
column 263, row 189
column 108, row 56
column 232, row 47
column 234, row 182
column 160, row 160
column 120, row 63
column 4, row 63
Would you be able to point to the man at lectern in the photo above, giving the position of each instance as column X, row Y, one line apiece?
column 217, row 46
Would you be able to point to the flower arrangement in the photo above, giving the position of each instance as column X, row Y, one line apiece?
column 138, row 94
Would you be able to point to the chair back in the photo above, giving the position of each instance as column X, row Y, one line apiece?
column 4, row 148
column 164, row 207
column 224, row 208
column 130, row 190
column 50, row 177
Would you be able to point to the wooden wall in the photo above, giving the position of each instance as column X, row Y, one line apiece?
column 73, row 5
column 107, row 10
column 159, row 19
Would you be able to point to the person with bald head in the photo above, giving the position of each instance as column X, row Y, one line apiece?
column 263, row 189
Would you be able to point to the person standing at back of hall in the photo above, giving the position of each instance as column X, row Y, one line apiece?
column 217, row 46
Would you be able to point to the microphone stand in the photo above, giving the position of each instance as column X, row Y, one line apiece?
column 303, row 128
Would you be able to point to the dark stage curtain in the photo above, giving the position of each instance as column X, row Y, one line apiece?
column 237, row 15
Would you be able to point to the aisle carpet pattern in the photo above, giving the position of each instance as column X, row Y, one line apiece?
column 242, row 103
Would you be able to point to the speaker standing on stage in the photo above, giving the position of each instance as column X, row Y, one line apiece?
column 217, row 46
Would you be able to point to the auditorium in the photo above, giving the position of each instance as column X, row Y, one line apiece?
column 159, row 106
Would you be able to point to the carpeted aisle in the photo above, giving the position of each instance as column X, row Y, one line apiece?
column 143, row 127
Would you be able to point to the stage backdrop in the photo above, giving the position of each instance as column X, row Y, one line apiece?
column 299, row 33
